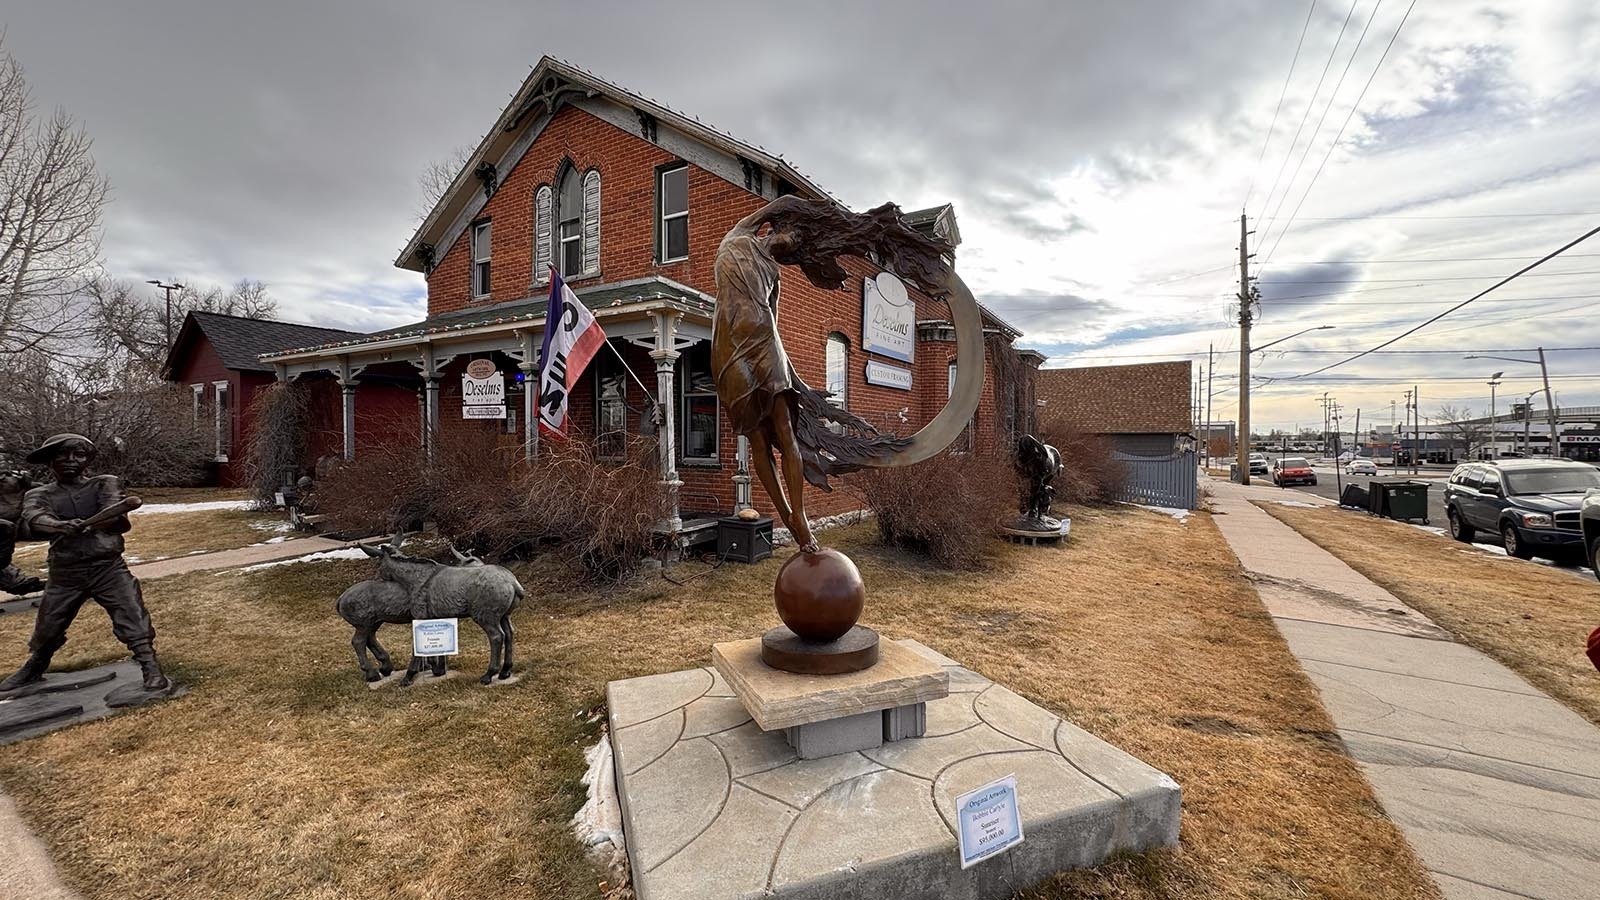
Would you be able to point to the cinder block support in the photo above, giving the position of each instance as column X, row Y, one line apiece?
column 834, row 736
column 905, row 722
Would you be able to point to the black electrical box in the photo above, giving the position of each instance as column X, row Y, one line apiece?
column 744, row 540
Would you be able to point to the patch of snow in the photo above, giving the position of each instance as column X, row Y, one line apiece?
column 276, row 540
column 157, row 508
column 1431, row 529
column 1182, row 515
column 275, row 527
column 598, row 824
column 1299, row 503
column 341, row 553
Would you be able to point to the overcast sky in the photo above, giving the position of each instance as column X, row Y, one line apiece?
column 1098, row 156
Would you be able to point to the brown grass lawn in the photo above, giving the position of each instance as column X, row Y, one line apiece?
column 281, row 775
column 1530, row 617
column 163, row 535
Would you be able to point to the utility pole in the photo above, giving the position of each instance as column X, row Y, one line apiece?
column 1416, row 425
column 1246, row 299
column 169, row 288
column 1550, row 408
column 1494, row 435
column 1400, row 436
column 1211, row 374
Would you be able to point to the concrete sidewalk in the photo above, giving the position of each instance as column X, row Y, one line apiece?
column 236, row 558
column 1495, row 784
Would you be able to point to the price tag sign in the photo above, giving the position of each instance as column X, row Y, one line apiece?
column 433, row 637
column 988, row 821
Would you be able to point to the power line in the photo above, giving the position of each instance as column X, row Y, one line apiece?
column 1281, row 94
column 1418, row 259
column 1540, row 215
column 1509, row 278
column 1409, row 302
column 1311, row 141
column 1430, row 280
column 1307, row 114
column 1357, row 105
column 1197, row 353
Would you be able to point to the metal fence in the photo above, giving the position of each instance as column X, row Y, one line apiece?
column 1161, row 480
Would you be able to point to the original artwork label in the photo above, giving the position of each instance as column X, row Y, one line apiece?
column 888, row 317
column 888, row 376
column 434, row 637
column 988, row 821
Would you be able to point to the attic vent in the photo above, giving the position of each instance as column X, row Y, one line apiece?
column 753, row 177
column 647, row 125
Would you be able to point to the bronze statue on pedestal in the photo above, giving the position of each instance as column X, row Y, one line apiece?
column 819, row 592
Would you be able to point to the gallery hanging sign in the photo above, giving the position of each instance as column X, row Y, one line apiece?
column 898, row 377
column 888, row 317
column 483, row 391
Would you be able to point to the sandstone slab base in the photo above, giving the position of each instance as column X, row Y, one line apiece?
column 780, row 699
column 715, row 808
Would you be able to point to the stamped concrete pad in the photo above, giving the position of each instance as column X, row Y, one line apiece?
column 715, row 808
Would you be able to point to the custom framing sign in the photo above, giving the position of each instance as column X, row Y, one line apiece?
column 886, row 375
column 888, row 318
column 483, row 391
column 988, row 821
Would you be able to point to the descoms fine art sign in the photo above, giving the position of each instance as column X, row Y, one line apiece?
column 483, row 391
column 888, row 317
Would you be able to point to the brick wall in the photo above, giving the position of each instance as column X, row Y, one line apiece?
column 807, row 314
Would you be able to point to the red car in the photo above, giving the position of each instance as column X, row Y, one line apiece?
column 1292, row 470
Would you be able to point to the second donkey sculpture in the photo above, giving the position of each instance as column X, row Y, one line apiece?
column 483, row 593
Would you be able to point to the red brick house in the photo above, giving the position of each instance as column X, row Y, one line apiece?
column 629, row 200
column 218, row 357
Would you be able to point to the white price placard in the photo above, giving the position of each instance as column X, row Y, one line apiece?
column 988, row 821
column 434, row 637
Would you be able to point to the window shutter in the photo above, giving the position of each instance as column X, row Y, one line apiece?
column 541, row 236
column 591, row 222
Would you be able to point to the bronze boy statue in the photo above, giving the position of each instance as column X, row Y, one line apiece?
column 85, row 519
column 13, row 487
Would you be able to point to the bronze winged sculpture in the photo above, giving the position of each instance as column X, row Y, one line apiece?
column 768, row 402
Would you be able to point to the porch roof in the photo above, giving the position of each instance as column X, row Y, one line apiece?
column 606, row 300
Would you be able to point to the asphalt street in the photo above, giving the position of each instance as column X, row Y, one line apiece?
column 1328, row 486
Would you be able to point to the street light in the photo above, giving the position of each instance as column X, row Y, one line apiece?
column 1549, row 401
column 1295, row 335
column 1494, row 443
column 169, row 288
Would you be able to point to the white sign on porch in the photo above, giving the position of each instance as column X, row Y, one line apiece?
column 888, row 317
column 988, row 821
column 434, row 637
column 888, row 376
column 483, row 391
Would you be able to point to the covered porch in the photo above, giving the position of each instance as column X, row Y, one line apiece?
column 649, row 323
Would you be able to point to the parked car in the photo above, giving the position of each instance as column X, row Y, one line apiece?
column 1589, row 521
column 1292, row 470
column 1361, row 466
column 1533, row 505
column 1258, row 464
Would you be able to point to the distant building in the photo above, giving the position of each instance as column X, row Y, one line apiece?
column 1143, row 409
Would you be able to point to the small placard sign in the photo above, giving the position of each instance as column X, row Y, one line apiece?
column 888, row 376
column 483, row 391
column 989, row 821
column 433, row 637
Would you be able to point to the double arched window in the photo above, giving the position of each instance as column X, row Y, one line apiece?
column 566, row 227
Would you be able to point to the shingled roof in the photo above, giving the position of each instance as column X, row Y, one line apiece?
column 1147, row 398
column 240, row 341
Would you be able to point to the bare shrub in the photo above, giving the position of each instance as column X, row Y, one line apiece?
column 278, row 444
column 1089, row 473
column 480, row 494
column 946, row 508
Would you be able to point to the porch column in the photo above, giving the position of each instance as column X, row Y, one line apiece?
column 430, row 365
column 666, row 356
column 346, row 375
column 741, row 477
column 530, row 397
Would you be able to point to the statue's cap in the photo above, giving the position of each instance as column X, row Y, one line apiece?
column 53, row 444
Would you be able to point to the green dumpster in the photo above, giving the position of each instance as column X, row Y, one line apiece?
column 1398, row 499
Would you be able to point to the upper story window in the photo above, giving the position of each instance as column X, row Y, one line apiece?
column 570, row 237
column 480, row 259
column 672, row 204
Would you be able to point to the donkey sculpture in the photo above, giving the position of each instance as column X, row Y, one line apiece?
column 483, row 593
column 369, row 605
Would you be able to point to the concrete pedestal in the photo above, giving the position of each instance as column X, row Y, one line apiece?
column 715, row 808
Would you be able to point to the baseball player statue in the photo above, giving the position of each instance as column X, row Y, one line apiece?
column 84, row 519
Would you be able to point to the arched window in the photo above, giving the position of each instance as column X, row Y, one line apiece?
column 543, row 208
column 838, row 370
column 569, row 236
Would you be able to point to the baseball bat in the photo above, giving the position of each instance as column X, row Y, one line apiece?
column 113, row 512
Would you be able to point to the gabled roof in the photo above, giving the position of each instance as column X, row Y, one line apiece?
column 551, row 83
column 1147, row 398
column 240, row 341
column 936, row 222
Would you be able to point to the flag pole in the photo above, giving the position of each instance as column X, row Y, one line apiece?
column 631, row 374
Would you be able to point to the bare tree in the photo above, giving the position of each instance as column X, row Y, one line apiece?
column 1457, row 424
column 130, row 320
column 51, row 198
column 437, row 177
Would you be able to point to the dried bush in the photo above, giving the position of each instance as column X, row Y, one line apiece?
column 278, row 444
column 946, row 508
column 599, row 515
column 1090, row 474
column 144, row 431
